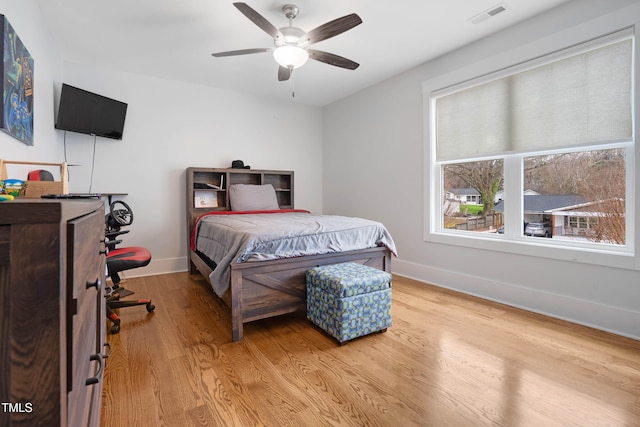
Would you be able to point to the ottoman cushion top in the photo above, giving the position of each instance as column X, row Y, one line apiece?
column 348, row 279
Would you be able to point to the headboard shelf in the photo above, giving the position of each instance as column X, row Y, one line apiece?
column 207, row 188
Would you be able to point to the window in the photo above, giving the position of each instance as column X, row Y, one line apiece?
column 545, row 144
column 581, row 193
column 477, row 180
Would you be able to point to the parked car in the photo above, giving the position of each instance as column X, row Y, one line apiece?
column 538, row 229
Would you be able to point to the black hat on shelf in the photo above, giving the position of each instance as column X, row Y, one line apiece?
column 239, row 164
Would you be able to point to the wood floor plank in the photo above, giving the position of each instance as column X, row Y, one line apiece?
column 448, row 360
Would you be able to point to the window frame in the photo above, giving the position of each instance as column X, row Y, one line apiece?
column 513, row 240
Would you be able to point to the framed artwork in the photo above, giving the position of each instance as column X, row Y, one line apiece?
column 17, row 86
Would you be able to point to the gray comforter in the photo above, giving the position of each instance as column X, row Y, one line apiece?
column 257, row 237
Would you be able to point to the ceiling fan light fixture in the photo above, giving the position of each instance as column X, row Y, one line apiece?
column 290, row 56
column 290, row 44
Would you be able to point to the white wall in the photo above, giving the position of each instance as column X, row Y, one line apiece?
column 169, row 126
column 373, row 167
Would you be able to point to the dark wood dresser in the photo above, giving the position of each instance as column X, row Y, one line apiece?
column 52, row 312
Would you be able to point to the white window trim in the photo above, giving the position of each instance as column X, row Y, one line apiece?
column 497, row 67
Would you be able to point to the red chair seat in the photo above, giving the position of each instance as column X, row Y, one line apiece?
column 127, row 258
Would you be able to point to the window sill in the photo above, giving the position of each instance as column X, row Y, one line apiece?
column 540, row 247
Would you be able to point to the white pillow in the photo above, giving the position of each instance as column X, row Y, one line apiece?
column 249, row 197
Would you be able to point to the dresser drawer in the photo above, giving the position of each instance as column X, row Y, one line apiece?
column 85, row 295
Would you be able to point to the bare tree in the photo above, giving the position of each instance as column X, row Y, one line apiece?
column 484, row 176
column 553, row 174
column 604, row 184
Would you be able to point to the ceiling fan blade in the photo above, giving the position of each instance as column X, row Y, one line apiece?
column 332, row 59
column 283, row 73
column 258, row 19
column 243, row 52
column 332, row 28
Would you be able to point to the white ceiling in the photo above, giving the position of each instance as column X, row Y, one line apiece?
column 174, row 39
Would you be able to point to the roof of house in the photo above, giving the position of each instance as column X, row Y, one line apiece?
column 543, row 203
column 465, row 191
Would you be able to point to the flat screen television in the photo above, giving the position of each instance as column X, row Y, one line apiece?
column 86, row 112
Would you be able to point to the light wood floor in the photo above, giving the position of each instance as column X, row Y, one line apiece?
column 448, row 360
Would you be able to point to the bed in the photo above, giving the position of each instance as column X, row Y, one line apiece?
column 255, row 259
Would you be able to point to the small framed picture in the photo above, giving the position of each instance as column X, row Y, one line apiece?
column 205, row 199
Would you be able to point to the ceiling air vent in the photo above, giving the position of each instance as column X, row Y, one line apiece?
column 489, row 13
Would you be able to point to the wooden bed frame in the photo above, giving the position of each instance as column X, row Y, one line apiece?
column 263, row 289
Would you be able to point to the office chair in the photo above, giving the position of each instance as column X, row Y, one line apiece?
column 121, row 259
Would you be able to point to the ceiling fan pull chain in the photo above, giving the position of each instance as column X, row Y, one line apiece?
column 292, row 81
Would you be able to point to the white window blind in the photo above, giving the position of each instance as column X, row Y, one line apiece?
column 582, row 99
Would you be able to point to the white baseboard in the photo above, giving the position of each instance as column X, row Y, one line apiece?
column 159, row 266
column 608, row 318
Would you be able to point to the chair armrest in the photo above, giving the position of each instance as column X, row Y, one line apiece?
column 115, row 233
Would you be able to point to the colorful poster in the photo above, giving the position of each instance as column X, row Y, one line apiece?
column 17, row 86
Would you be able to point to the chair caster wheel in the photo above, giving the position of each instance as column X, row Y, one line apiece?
column 150, row 307
column 115, row 329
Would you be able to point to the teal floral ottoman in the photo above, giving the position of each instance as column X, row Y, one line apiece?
column 349, row 300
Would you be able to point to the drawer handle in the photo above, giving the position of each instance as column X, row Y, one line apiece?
column 103, row 251
column 96, row 379
column 108, row 345
column 97, row 284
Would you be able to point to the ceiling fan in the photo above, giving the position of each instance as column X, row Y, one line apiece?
column 291, row 44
